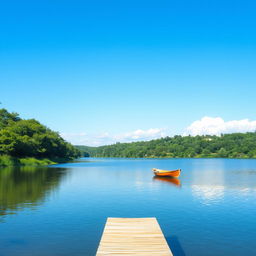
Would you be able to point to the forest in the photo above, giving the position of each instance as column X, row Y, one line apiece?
column 20, row 138
column 235, row 145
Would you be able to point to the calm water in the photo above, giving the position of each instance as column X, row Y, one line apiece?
column 61, row 210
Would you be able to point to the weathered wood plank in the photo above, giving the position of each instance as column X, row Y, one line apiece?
column 133, row 236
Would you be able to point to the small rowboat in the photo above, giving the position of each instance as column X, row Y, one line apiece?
column 174, row 173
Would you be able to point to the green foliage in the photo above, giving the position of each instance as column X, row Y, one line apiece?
column 84, row 150
column 28, row 138
column 7, row 118
column 30, row 161
column 236, row 145
column 6, row 160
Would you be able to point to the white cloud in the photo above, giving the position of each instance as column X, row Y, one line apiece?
column 216, row 126
column 106, row 138
column 73, row 137
column 205, row 126
column 141, row 134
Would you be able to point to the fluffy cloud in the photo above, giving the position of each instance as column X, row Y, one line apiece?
column 207, row 125
column 74, row 138
column 106, row 138
column 141, row 135
column 216, row 126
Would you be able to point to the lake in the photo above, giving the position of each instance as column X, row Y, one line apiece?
column 61, row 210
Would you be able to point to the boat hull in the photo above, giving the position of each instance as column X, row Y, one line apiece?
column 163, row 173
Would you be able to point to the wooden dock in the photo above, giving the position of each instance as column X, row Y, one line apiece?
column 133, row 236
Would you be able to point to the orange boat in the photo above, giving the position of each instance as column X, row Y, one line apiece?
column 174, row 173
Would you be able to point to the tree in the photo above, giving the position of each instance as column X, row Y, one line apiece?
column 29, row 138
column 237, row 145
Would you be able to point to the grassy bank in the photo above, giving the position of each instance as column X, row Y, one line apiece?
column 6, row 160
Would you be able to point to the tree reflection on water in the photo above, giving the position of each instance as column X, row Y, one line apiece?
column 26, row 187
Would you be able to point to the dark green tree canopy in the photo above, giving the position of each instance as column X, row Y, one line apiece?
column 7, row 118
column 29, row 138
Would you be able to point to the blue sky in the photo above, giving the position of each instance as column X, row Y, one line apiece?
column 102, row 71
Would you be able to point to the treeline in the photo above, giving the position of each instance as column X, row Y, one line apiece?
column 29, row 138
column 236, row 145
column 86, row 151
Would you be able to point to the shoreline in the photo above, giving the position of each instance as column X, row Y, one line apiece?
column 8, row 161
column 159, row 157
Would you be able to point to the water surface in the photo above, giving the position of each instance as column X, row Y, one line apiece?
column 61, row 210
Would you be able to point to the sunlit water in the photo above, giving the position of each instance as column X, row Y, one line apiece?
column 61, row 210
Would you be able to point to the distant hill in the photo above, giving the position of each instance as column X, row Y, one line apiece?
column 86, row 151
column 235, row 145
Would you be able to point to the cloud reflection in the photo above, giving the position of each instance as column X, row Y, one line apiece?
column 208, row 192
column 209, row 186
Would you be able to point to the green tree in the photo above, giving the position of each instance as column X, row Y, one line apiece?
column 29, row 138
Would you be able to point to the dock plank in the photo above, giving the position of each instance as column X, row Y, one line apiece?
column 133, row 236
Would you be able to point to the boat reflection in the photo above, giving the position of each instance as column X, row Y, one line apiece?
column 173, row 181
